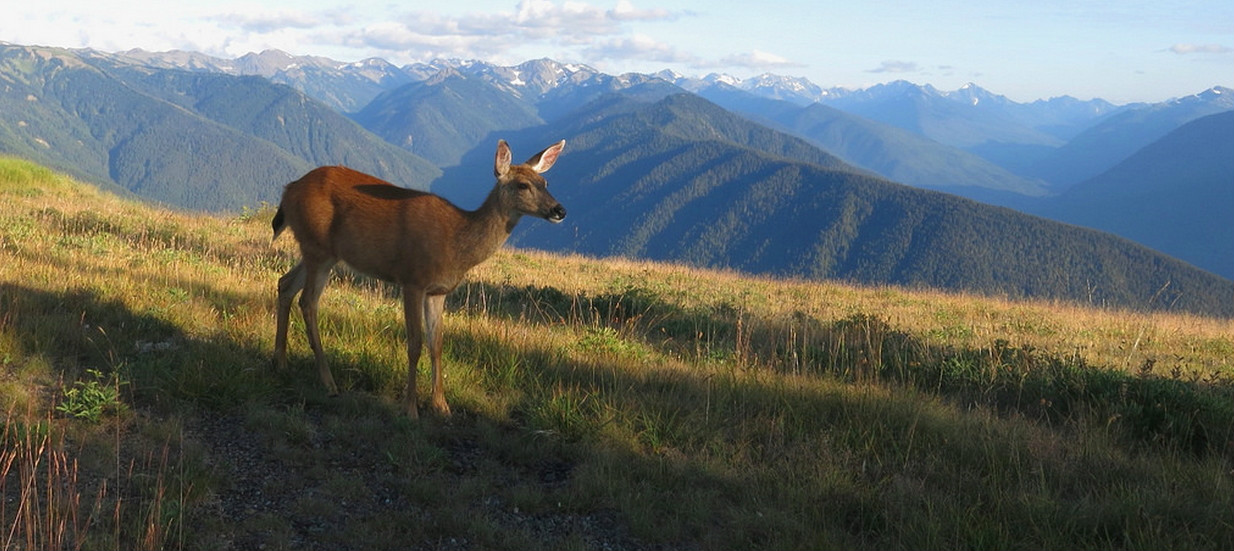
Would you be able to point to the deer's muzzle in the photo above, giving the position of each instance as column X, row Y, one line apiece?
column 556, row 214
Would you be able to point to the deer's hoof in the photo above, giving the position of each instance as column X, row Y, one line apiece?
column 441, row 408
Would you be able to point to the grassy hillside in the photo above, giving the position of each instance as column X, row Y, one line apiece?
column 598, row 404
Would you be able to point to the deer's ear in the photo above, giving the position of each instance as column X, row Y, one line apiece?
column 502, row 164
column 542, row 161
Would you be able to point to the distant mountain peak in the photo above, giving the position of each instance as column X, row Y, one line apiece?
column 443, row 75
column 272, row 62
column 1217, row 92
column 974, row 95
column 370, row 62
column 797, row 90
column 669, row 75
column 720, row 78
column 531, row 78
column 1217, row 95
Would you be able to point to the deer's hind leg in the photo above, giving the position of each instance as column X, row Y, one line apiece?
column 289, row 286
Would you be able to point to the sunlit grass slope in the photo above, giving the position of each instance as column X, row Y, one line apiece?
column 598, row 404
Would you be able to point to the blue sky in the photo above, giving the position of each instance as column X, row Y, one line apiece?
column 1122, row 51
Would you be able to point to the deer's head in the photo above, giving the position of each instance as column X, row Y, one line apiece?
column 523, row 188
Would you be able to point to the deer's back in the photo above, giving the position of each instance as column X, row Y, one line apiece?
column 373, row 225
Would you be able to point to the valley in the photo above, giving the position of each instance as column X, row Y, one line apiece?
column 738, row 175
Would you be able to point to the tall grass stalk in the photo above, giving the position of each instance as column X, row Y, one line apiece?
column 47, row 504
column 39, row 483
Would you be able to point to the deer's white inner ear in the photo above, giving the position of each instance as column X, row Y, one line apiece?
column 502, row 163
column 545, row 159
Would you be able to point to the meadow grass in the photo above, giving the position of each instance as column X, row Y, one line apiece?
column 598, row 404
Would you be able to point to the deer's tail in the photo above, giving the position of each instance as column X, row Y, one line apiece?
column 279, row 223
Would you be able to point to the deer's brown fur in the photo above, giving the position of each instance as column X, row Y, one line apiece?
column 415, row 239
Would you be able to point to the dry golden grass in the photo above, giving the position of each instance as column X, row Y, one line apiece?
column 1108, row 337
column 599, row 403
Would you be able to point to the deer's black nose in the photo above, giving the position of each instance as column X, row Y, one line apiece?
column 557, row 213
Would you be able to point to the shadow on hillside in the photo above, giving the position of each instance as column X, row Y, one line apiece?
column 633, row 313
column 328, row 475
column 79, row 331
column 1195, row 414
column 296, row 476
column 677, row 417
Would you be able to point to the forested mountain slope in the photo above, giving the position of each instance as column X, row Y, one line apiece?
column 194, row 140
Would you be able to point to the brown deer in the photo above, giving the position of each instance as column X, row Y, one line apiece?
column 415, row 239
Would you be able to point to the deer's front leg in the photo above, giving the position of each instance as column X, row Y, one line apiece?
column 434, row 307
column 413, row 316
column 315, row 277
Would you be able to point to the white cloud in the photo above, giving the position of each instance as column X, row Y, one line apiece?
column 1183, row 49
column 547, row 19
column 639, row 48
column 892, row 66
column 758, row 60
column 625, row 11
column 537, row 24
column 270, row 21
column 394, row 37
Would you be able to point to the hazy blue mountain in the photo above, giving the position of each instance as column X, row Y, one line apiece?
column 791, row 89
column 894, row 153
column 649, row 170
column 443, row 117
column 1062, row 117
column 1175, row 195
column 174, row 59
column 194, row 140
column 532, row 79
column 682, row 116
column 67, row 114
column 795, row 90
column 975, row 118
column 667, row 181
column 1065, row 117
column 1016, row 137
column 564, row 100
column 555, row 89
column 1118, row 136
column 347, row 88
column 343, row 86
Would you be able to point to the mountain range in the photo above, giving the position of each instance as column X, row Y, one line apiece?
column 189, row 139
column 749, row 175
column 1117, row 137
column 1032, row 149
column 1176, row 194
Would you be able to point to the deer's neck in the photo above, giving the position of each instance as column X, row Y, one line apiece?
column 487, row 228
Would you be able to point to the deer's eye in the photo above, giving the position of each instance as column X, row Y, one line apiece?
column 524, row 186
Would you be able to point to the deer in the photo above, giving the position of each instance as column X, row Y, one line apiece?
column 414, row 239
